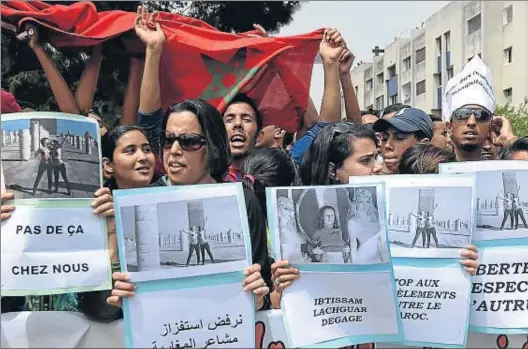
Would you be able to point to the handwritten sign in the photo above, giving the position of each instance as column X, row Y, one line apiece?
column 46, row 256
column 427, row 297
column 500, row 289
column 206, row 317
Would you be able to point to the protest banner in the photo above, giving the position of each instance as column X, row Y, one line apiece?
column 52, row 329
column 430, row 218
column 178, row 303
column 499, row 302
column 53, row 243
column 336, row 237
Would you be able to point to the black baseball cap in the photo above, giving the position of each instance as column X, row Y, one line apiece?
column 408, row 120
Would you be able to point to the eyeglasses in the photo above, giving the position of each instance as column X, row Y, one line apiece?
column 481, row 115
column 187, row 141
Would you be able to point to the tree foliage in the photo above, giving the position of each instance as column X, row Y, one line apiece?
column 518, row 116
column 22, row 74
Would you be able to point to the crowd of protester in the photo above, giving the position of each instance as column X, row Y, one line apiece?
column 193, row 143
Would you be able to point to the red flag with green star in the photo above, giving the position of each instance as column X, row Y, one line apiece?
column 198, row 60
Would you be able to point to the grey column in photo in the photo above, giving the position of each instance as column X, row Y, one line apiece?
column 88, row 145
column 147, row 237
column 25, row 144
column 78, row 144
column 43, row 133
column 3, row 137
column 11, row 137
column 35, row 140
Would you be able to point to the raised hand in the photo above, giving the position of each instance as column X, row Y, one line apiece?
column 345, row 61
column 148, row 28
column 34, row 40
column 332, row 46
column 261, row 31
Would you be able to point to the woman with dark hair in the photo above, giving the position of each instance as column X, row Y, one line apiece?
column 44, row 165
column 128, row 160
column 328, row 244
column 423, row 158
column 338, row 152
column 268, row 167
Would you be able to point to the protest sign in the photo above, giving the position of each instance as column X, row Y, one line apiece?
column 430, row 218
column 187, row 261
column 500, row 287
column 53, row 329
column 473, row 85
column 336, row 236
column 53, row 243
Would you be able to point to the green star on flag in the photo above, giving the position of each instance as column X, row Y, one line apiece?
column 227, row 78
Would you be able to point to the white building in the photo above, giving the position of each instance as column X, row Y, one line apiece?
column 414, row 70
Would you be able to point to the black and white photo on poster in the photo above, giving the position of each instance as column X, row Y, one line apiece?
column 200, row 235
column 502, row 203
column 429, row 221
column 331, row 225
column 52, row 157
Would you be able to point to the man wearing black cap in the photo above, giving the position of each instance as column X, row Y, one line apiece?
column 405, row 129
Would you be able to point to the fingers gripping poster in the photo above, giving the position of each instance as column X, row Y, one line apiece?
column 500, row 289
column 336, row 237
column 187, row 261
column 427, row 230
column 53, row 243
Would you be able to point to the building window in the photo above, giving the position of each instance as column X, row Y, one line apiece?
column 508, row 94
column 357, row 89
column 407, row 63
column 508, row 55
column 439, row 46
column 379, row 103
column 507, row 15
column 473, row 24
column 380, row 78
column 393, row 99
column 420, row 55
column 369, row 85
column 420, row 87
column 392, row 71
column 449, row 73
column 447, row 38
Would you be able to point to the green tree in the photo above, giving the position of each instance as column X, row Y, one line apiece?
column 518, row 116
column 23, row 76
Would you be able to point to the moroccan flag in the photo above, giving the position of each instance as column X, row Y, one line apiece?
column 198, row 60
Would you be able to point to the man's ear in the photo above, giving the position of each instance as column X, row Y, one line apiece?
column 332, row 174
column 260, row 134
column 425, row 140
column 108, row 168
column 279, row 133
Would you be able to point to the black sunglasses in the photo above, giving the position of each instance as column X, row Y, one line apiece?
column 482, row 115
column 187, row 141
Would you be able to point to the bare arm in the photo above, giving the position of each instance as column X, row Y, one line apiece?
column 331, row 49
column 353, row 113
column 88, row 82
column 132, row 94
column 59, row 87
column 309, row 120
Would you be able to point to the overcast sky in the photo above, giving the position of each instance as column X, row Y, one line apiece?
column 364, row 24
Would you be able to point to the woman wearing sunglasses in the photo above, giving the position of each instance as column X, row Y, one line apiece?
column 195, row 151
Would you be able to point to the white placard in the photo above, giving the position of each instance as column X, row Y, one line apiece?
column 433, row 304
column 204, row 317
column 316, row 309
column 500, row 288
column 41, row 250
